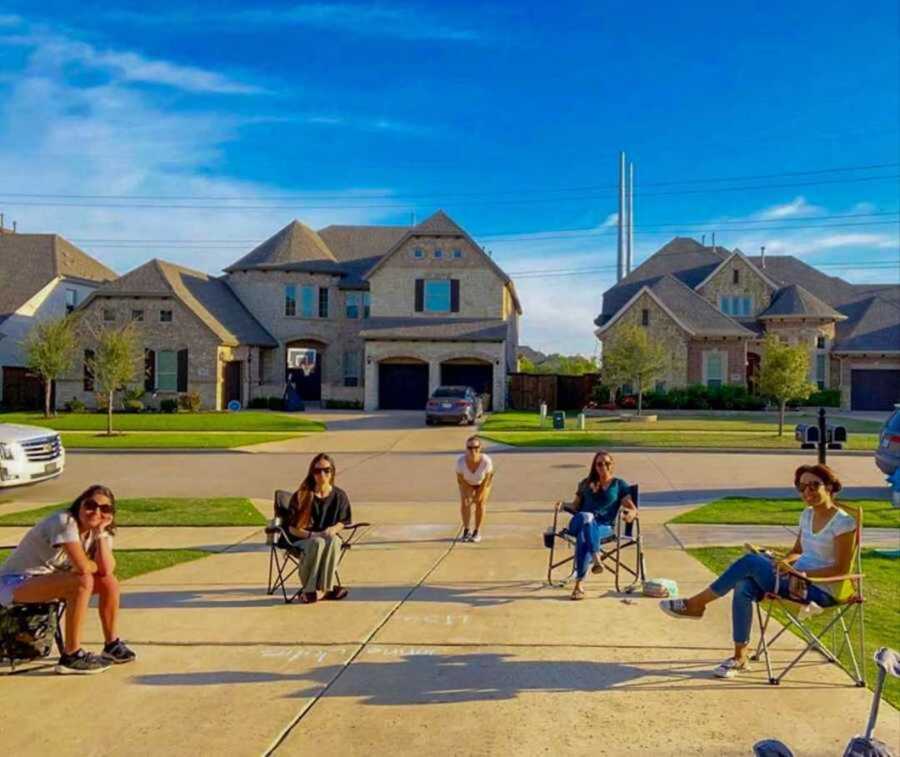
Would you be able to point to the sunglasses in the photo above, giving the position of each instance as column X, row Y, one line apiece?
column 811, row 485
column 604, row 464
column 473, row 446
column 321, row 470
column 92, row 506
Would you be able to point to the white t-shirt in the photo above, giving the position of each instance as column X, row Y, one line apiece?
column 41, row 550
column 818, row 548
column 484, row 469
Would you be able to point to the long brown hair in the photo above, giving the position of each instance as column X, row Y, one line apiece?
column 89, row 493
column 301, row 500
column 593, row 476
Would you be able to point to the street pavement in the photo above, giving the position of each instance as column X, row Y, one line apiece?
column 452, row 648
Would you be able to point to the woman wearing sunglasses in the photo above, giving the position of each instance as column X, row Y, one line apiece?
column 824, row 548
column 475, row 476
column 320, row 510
column 597, row 502
column 69, row 556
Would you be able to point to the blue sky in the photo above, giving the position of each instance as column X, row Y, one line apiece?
column 510, row 117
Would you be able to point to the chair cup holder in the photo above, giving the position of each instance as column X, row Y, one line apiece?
column 549, row 536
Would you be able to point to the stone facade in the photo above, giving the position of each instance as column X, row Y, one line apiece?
column 734, row 360
column 184, row 331
column 434, row 353
column 749, row 284
column 661, row 329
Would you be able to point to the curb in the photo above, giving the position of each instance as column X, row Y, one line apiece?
column 681, row 450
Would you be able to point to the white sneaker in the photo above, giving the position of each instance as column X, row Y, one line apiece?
column 476, row 537
column 731, row 668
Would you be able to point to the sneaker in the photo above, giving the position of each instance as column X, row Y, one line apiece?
column 116, row 652
column 475, row 538
column 731, row 668
column 81, row 663
column 466, row 535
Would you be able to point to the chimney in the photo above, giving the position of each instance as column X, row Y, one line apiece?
column 703, row 239
column 15, row 223
column 620, row 270
column 629, row 252
column 762, row 256
column 714, row 241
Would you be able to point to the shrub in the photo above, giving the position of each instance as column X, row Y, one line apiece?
column 699, row 397
column 275, row 403
column 133, row 406
column 102, row 400
column 258, row 403
column 189, row 401
column 129, row 394
column 343, row 404
column 168, row 406
column 601, row 394
column 821, row 398
column 75, row 405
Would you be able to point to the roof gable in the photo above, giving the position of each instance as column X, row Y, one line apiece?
column 795, row 301
column 872, row 325
column 295, row 243
column 740, row 256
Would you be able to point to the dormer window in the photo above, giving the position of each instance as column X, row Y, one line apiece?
column 820, row 342
column 457, row 254
column 438, row 253
column 71, row 299
column 418, row 253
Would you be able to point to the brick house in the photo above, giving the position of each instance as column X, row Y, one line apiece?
column 42, row 276
column 712, row 307
column 372, row 315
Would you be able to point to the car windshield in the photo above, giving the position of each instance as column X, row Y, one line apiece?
column 450, row 391
column 893, row 424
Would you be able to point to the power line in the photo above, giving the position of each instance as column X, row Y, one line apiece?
column 363, row 195
column 406, row 206
column 538, row 273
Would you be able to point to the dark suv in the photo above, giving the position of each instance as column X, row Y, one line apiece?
column 454, row 404
column 887, row 456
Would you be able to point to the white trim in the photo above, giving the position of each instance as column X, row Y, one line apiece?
column 739, row 254
column 631, row 302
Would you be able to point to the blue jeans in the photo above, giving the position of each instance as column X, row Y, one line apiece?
column 751, row 576
column 588, row 534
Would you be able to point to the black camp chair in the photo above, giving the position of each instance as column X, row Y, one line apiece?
column 621, row 553
column 285, row 554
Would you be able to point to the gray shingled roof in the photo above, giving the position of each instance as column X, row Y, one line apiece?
column 436, row 329
column 353, row 243
column 698, row 314
column 295, row 243
column 794, row 300
column 209, row 298
column 28, row 262
column 785, row 270
column 873, row 324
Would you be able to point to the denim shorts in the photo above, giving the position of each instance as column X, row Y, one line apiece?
column 8, row 584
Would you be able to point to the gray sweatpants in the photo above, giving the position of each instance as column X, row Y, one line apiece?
column 319, row 565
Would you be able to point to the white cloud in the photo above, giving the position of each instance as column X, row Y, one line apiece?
column 611, row 220
column 796, row 208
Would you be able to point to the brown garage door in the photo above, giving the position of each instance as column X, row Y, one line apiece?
column 874, row 390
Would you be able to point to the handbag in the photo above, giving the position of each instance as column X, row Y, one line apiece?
column 28, row 631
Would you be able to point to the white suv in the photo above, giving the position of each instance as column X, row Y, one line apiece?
column 29, row 454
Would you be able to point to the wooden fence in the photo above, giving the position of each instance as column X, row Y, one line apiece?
column 560, row 392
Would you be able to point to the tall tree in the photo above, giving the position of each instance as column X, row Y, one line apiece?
column 634, row 357
column 115, row 363
column 50, row 349
column 784, row 374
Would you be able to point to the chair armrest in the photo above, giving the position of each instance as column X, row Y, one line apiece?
column 569, row 509
column 834, row 579
column 361, row 524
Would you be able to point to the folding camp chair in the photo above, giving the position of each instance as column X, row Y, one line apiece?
column 614, row 549
column 24, row 631
column 842, row 620
column 285, row 553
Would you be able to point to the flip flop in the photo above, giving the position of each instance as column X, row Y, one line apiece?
column 338, row 592
column 309, row 598
column 677, row 608
column 577, row 594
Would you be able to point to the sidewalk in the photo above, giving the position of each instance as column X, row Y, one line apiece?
column 703, row 535
column 446, row 647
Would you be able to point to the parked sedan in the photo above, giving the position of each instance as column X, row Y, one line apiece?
column 29, row 454
column 454, row 404
column 887, row 456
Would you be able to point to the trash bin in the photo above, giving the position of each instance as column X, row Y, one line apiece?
column 581, row 422
column 559, row 420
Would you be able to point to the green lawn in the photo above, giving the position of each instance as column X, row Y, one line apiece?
column 246, row 420
column 653, row 437
column 136, row 562
column 782, row 512
column 882, row 608
column 161, row 511
column 163, row 440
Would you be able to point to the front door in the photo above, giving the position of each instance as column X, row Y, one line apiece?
column 234, row 370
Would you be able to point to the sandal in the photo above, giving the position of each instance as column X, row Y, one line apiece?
column 577, row 594
column 677, row 608
column 338, row 592
column 309, row 597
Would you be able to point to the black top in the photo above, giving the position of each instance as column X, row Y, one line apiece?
column 335, row 508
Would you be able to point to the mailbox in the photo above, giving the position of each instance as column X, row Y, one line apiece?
column 807, row 435
column 836, row 436
column 559, row 420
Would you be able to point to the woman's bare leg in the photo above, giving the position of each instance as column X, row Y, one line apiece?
column 480, row 505
column 107, row 590
column 74, row 588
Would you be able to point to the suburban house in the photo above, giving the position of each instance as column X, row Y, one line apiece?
column 42, row 276
column 374, row 316
column 712, row 307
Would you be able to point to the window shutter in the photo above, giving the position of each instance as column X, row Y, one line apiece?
column 149, row 370
column 420, row 295
column 454, row 295
column 182, row 370
column 88, row 383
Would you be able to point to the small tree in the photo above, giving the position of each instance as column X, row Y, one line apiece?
column 784, row 374
column 50, row 349
column 633, row 356
column 115, row 363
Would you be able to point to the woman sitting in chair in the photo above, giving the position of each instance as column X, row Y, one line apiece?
column 824, row 548
column 319, row 512
column 68, row 556
column 597, row 503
